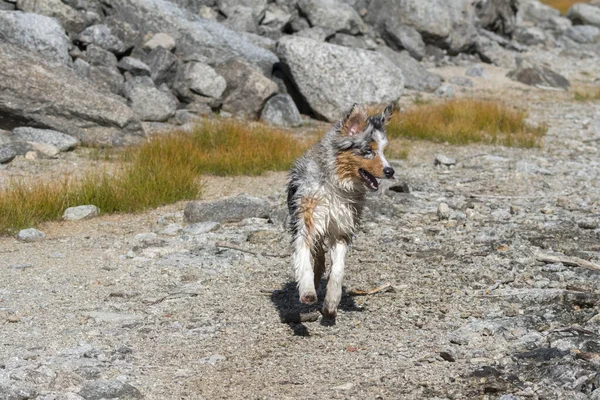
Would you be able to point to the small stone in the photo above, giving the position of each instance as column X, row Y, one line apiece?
column 201, row 228
column 101, row 36
column 441, row 159
column 81, row 212
column 589, row 223
column 160, row 40
column 13, row 318
column 134, row 66
column 7, row 153
column 20, row 266
column 461, row 81
column 556, row 267
column 30, row 235
column 546, row 210
column 280, row 110
column 475, row 71
column 443, row 211
column 112, row 389
column 514, row 210
column 212, row 360
column 448, row 355
column 345, row 386
column 446, row 91
column 171, row 230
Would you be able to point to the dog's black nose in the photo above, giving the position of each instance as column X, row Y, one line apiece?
column 388, row 172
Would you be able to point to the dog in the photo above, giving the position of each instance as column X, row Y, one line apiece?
column 326, row 194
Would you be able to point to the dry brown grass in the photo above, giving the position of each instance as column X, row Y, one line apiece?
column 164, row 170
column 562, row 5
column 465, row 121
column 587, row 93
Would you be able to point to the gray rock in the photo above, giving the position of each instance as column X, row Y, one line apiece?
column 530, row 36
column 538, row 75
column 81, row 212
column 441, row 159
column 160, row 39
column 60, row 140
column 247, row 88
column 113, row 389
column 493, row 53
column 275, row 18
column 258, row 7
column 445, row 90
column 589, row 223
column 280, row 110
column 416, row 76
column 193, row 34
column 195, row 79
column 36, row 33
column 134, row 66
column 212, row 360
column 583, row 33
column 446, row 23
column 499, row 16
column 475, row 71
column 28, row 86
column 360, row 42
column 537, row 12
column 241, row 19
column 7, row 153
column 98, row 56
column 230, row 209
column 403, row 37
column 6, row 6
column 201, row 228
column 150, row 103
column 109, row 79
column 163, row 66
column 71, row 19
column 316, row 33
column 102, row 36
column 333, row 14
column 443, row 211
column 260, row 41
column 461, row 81
column 584, row 14
column 30, row 235
column 332, row 78
column 81, row 68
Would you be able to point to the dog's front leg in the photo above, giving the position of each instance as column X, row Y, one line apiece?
column 334, row 285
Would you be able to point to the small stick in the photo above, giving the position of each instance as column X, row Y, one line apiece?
column 359, row 292
column 227, row 245
column 572, row 261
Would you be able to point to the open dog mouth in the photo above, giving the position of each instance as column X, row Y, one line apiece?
column 370, row 181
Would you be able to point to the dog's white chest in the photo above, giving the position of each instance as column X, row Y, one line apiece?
column 341, row 217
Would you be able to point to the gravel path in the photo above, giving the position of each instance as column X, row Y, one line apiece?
column 471, row 312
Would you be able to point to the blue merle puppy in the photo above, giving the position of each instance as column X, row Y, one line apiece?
column 326, row 195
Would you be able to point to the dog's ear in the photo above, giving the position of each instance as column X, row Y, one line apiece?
column 386, row 115
column 355, row 121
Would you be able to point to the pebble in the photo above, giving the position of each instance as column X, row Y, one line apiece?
column 441, row 159
column 589, row 223
column 30, row 235
column 448, row 355
column 20, row 266
column 212, row 360
column 443, row 211
column 81, row 212
column 475, row 71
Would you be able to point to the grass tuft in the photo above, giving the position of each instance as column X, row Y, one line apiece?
column 587, row 94
column 562, row 5
column 465, row 121
column 162, row 171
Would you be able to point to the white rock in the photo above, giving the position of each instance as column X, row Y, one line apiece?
column 81, row 212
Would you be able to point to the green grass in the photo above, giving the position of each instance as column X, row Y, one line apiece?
column 163, row 170
column 465, row 121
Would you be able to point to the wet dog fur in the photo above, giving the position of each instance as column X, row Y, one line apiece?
column 326, row 195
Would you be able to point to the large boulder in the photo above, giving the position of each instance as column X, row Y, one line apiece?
column 499, row 16
column 148, row 102
column 446, row 23
column 193, row 34
column 280, row 110
column 71, row 19
column 333, row 14
column 38, row 33
column 403, row 37
column 543, row 16
column 584, row 14
column 416, row 76
column 195, row 81
column 538, row 75
column 247, row 88
column 33, row 93
column 331, row 78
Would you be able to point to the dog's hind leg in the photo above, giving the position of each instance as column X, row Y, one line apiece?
column 319, row 264
column 334, row 285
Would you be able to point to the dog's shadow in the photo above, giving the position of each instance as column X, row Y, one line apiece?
column 295, row 314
